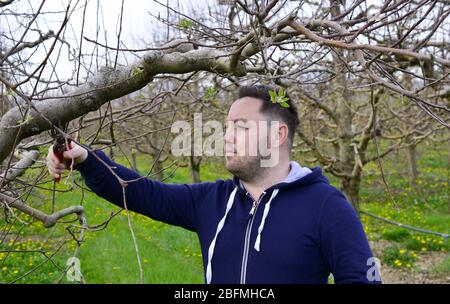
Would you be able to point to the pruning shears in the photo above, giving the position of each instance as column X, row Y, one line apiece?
column 60, row 145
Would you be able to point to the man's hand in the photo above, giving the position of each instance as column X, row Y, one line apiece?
column 56, row 167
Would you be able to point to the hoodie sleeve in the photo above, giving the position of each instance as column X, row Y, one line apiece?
column 344, row 245
column 170, row 203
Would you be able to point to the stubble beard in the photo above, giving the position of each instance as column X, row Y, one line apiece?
column 246, row 168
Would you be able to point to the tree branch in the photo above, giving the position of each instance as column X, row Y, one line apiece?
column 107, row 85
column 47, row 220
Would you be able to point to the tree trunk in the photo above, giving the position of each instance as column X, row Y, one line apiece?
column 344, row 98
column 448, row 178
column 134, row 160
column 158, row 170
column 155, row 146
column 413, row 174
column 350, row 187
column 195, row 168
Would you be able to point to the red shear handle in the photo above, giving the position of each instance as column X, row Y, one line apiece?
column 58, row 150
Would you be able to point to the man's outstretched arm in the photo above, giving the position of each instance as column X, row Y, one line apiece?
column 170, row 203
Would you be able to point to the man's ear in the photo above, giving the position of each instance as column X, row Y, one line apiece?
column 283, row 133
column 279, row 134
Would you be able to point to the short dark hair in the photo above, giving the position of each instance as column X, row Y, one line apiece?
column 288, row 115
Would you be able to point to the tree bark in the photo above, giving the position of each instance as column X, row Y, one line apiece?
column 158, row 170
column 350, row 186
column 134, row 160
column 350, row 183
column 194, row 166
column 411, row 154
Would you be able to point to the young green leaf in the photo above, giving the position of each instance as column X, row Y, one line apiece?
column 279, row 97
column 185, row 24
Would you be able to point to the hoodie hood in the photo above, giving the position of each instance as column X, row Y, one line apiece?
column 298, row 176
column 297, row 172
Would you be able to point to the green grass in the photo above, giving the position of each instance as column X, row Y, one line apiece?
column 172, row 255
column 168, row 254
column 397, row 257
column 425, row 205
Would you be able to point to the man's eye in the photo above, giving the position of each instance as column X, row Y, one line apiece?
column 237, row 126
column 241, row 125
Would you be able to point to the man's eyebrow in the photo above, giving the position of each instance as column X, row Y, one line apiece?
column 238, row 119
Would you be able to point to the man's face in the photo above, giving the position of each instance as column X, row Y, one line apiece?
column 242, row 137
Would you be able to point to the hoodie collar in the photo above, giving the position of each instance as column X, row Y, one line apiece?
column 296, row 174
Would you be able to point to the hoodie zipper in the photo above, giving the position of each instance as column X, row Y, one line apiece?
column 247, row 238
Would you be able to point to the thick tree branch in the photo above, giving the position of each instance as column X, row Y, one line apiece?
column 47, row 220
column 105, row 86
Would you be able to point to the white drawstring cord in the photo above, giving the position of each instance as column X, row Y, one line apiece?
column 261, row 226
column 213, row 243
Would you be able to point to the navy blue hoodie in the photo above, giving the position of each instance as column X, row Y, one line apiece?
column 298, row 231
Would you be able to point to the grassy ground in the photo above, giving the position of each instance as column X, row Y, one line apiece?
column 172, row 255
column 405, row 253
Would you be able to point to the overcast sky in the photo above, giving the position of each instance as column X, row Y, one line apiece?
column 139, row 28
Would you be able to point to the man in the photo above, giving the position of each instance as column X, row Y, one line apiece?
column 279, row 223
